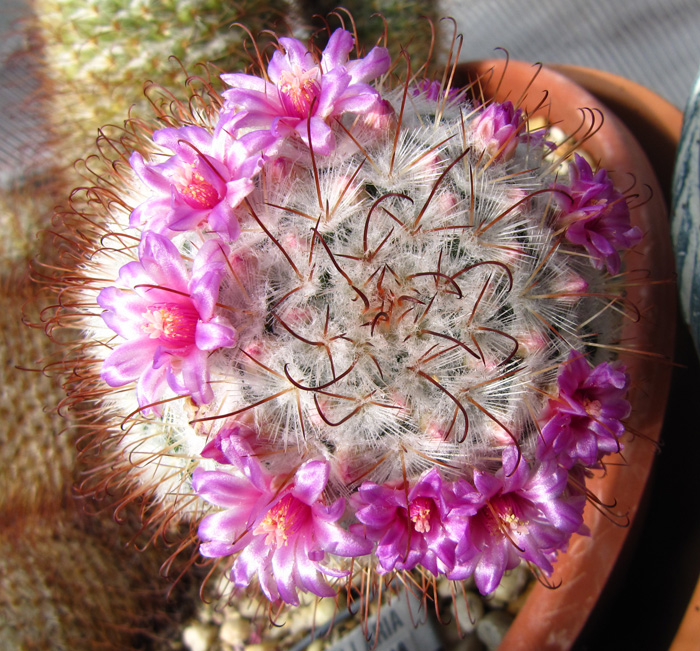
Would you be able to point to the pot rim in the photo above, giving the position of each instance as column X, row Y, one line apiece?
column 554, row 618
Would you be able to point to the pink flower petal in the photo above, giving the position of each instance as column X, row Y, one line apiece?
column 172, row 137
column 295, row 54
column 224, row 489
column 222, row 531
column 151, row 177
column 152, row 212
column 123, row 311
column 195, row 377
column 311, row 578
column 162, row 262
column 222, row 220
column 376, row 63
column 128, row 361
column 150, row 387
column 310, row 480
column 336, row 540
column 236, row 191
column 212, row 335
column 320, row 135
column 337, row 50
column 283, row 569
column 247, row 82
column 487, row 575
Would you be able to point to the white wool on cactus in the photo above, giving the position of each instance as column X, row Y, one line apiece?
column 349, row 320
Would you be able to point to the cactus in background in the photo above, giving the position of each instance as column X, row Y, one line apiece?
column 68, row 580
column 408, row 23
column 97, row 55
column 71, row 583
column 345, row 322
column 40, row 461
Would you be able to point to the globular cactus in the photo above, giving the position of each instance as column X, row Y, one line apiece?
column 347, row 321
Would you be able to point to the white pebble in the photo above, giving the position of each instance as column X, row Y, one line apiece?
column 444, row 588
column 492, row 628
column 469, row 643
column 248, row 608
column 199, row 637
column 468, row 614
column 304, row 618
column 234, row 631
column 511, row 586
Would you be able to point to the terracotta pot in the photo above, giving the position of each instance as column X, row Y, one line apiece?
column 553, row 619
column 654, row 122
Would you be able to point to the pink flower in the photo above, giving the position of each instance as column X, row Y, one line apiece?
column 280, row 534
column 302, row 93
column 218, row 447
column 165, row 315
column 595, row 215
column 523, row 513
column 410, row 528
column 584, row 423
column 432, row 89
column 499, row 129
column 199, row 186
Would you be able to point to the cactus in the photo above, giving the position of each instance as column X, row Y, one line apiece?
column 97, row 55
column 70, row 582
column 409, row 22
column 347, row 322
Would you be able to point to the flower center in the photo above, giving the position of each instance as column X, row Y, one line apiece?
column 502, row 518
column 298, row 89
column 593, row 408
column 195, row 189
column 281, row 520
column 512, row 521
column 172, row 323
column 419, row 511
